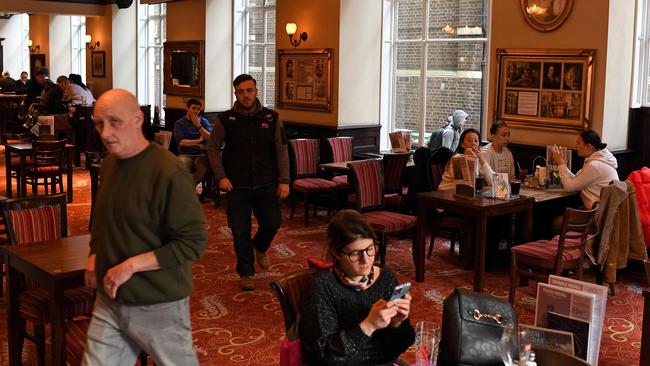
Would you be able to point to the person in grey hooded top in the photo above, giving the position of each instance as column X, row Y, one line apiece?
column 450, row 136
column 598, row 170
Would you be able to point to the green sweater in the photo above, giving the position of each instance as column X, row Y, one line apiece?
column 148, row 203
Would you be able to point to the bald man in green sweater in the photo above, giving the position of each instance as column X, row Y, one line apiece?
column 148, row 228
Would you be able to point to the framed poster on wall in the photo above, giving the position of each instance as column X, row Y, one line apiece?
column 545, row 89
column 305, row 79
column 98, row 64
column 35, row 62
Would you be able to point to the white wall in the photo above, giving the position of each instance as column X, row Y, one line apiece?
column 218, row 55
column 620, row 53
column 15, row 53
column 124, row 49
column 60, row 48
column 359, row 62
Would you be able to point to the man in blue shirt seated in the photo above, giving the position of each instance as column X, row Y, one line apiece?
column 190, row 133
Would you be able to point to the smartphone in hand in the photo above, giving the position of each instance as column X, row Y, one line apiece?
column 400, row 291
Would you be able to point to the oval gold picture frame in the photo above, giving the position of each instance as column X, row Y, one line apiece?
column 546, row 15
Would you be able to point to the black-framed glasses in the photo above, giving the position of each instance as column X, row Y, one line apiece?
column 355, row 255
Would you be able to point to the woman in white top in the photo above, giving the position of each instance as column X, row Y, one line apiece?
column 469, row 145
column 77, row 92
column 598, row 170
column 496, row 153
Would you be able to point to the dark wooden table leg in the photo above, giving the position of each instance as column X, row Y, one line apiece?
column 8, row 172
column 420, row 239
column 13, row 314
column 69, row 167
column 479, row 264
column 527, row 223
column 468, row 246
column 57, row 325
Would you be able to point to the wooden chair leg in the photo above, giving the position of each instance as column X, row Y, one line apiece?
column 431, row 243
column 306, row 209
column 513, row 279
column 39, row 339
column 293, row 204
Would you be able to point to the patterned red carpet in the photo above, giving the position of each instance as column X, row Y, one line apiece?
column 235, row 328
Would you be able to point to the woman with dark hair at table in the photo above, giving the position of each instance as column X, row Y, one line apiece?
column 347, row 317
column 78, row 92
column 470, row 141
column 598, row 170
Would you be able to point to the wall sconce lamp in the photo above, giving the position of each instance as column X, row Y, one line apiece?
column 89, row 45
column 291, row 30
column 34, row 49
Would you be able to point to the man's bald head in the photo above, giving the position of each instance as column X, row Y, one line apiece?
column 118, row 120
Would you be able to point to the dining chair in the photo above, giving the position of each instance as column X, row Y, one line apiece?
column 290, row 290
column 394, row 165
column 36, row 219
column 48, row 165
column 540, row 258
column 342, row 150
column 4, row 240
column 369, row 185
column 304, row 160
column 14, row 164
column 444, row 224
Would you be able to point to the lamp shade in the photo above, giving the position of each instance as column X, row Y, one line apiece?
column 291, row 28
column 29, row 43
column 87, row 38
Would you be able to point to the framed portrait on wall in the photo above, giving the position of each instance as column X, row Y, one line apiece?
column 98, row 64
column 305, row 79
column 35, row 62
column 545, row 88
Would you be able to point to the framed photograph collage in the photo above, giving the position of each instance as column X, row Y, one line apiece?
column 545, row 89
column 305, row 79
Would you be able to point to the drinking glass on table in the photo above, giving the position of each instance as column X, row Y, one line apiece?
column 515, row 346
column 427, row 342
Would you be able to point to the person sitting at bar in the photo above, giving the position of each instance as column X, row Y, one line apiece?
column 469, row 145
column 496, row 153
column 347, row 317
column 190, row 132
column 76, row 92
column 7, row 84
column 22, row 84
column 598, row 170
column 51, row 101
column 38, row 83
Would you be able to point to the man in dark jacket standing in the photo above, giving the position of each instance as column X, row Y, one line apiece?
column 254, row 170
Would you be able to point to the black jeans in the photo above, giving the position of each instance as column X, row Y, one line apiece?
column 265, row 204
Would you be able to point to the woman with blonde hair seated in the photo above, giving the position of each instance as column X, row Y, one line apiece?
column 347, row 317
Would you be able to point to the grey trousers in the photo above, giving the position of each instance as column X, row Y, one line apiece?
column 118, row 332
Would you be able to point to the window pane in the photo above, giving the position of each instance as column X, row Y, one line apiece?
column 270, row 26
column 255, row 62
column 454, row 75
column 407, row 87
column 255, row 2
column 256, row 27
column 441, row 17
column 409, row 19
column 270, row 2
column 269, row 79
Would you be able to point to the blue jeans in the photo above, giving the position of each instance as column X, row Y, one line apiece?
column 118, row 332
column 265, row 204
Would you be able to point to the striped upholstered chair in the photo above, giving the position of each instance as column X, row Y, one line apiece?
column 369, row 182
column 341, row 148
column 304, row 160
column 394, row 167
column 35, row 219
column 540, row 258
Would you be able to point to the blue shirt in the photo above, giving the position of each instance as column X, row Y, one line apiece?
column 184, row 129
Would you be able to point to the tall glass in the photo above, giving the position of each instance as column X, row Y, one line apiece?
column 515, row 346
column 427, row 342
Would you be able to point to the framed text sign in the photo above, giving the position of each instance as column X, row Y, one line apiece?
column 305, row 79
column 545, row 89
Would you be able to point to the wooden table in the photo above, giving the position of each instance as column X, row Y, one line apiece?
column 56, row 265
column 543, row 195
column 475, row 211
column 342, row 167
column 25, row 149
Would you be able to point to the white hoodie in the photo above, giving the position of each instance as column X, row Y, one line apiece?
column 599, row 169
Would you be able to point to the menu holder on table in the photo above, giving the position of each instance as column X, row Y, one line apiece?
column 552, row 166
column 400, row 141
column 465, row 167
column 500, row 186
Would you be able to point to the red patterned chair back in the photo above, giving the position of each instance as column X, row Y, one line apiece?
column 304, row 154
column 290, row 290
column 341, row 148
column 394, row 166
column 368, row 177
column 35, row 219
column 576, row 226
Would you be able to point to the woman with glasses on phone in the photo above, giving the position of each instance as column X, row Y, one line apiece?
column 347, row 316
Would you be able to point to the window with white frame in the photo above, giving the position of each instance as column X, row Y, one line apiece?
column 641, row 78
column 78, row 46
column 433, row 62
column 254, row 40
column 152, row 33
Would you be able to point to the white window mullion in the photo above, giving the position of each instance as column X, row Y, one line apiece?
column 424, row 47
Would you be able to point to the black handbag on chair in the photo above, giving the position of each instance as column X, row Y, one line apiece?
column 472, row 324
